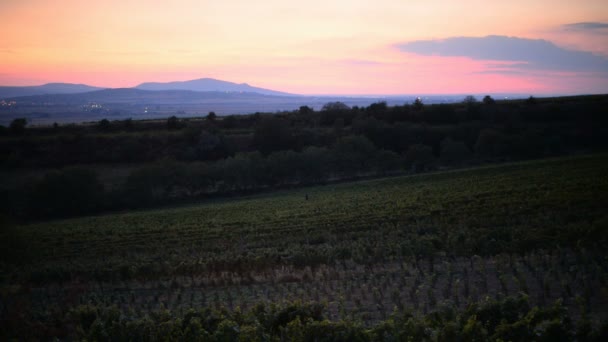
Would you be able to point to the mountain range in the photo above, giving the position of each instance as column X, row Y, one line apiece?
column 49, row 88
column 72, row 103
column 135, row 96
column 209, row 84
column 199, row 85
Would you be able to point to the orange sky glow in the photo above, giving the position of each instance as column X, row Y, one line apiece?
column 306, row 47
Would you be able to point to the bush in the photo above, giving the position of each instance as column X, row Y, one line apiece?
column 104, row 125
column 353, row 154
column 272, row 134
column 173, row 123
column 73, row 191
column 17, row 126
column 151, row 184
column 454, row 152
column 420, row 157
column 491, row 144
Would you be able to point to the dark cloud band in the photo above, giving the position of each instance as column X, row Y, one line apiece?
column 526, row 54
column 586, row 26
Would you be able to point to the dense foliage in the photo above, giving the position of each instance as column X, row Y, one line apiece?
column 160, row 162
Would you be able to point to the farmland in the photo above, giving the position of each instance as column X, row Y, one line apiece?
column 363, row 249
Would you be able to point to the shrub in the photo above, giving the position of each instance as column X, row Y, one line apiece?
column 74, row 191
column 454, row 152
column 419, row 157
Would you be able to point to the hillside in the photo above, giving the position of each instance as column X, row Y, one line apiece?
column 209, row 84
column 49, row 88
column 417, row 243
column 134, row 96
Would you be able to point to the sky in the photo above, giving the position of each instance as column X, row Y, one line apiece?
column 314, row 46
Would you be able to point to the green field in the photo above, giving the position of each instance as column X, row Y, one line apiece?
column 365, row 249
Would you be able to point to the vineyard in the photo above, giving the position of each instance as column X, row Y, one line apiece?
column 364, row 250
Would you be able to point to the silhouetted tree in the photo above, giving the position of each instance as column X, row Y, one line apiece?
column 469, row 99
column 377, row 109
column 104, row 125
column 172, row 122
column 335, row 106
column 473, row 107
column 334, row 110
column 488, row 100
column 128, row 124
column 418, row 105
column 305, row 110
column 17, row 126
column 211, row 116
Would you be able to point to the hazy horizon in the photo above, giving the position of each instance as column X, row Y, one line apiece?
column 341, row 48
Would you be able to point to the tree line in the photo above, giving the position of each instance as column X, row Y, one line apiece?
column 516, row 129
column 179, row 159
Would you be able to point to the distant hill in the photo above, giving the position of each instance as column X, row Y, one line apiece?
column 149, row 97
column 209, row 84
column 199, row 85
column 49, row 88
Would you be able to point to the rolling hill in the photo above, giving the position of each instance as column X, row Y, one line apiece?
column 209, row 84
column 150, row 97
column 49, row 88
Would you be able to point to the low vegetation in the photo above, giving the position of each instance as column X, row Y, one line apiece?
column 511, row 252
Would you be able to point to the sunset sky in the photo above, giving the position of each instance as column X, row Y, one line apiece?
column 312, row 47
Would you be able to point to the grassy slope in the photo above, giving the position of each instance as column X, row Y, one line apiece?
column 510, row 208
column 363, row 248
